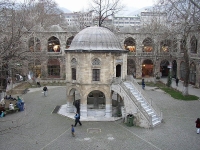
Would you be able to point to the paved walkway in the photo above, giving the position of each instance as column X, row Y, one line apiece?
column 37, row 128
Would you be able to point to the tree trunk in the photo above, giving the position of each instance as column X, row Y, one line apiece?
column 187, row 69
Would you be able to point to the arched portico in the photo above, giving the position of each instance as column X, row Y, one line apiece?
column 164, row 68
column 147, row 68
column 73, row 100
column 117, row 104
column 96, row 102
column 174, row 69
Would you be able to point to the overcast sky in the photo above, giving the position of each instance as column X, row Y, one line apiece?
column 78, row 5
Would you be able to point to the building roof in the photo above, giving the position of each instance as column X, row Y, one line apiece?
column 96, row 39
column 56, row 28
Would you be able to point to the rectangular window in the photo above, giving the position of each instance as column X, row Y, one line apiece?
column 96, row 75
column 54, row 71
column 73, row 73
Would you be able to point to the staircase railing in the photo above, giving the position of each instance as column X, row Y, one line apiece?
column 144, row 95
column 130, row 95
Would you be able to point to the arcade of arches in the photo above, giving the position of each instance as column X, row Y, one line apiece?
column 144, row 66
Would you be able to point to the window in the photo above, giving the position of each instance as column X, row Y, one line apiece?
column 73, row 61
column 96, row 75
column 73, row 73
column 53, row 68
column 96, row 61
column 54, row 71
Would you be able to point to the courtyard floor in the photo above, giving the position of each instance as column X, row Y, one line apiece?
column 38, row 128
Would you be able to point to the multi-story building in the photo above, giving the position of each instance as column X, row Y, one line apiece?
column 123, row 21
column 79, row 19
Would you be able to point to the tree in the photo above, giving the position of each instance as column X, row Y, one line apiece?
column 16, row 23
column 105, row 9
column 184, row 17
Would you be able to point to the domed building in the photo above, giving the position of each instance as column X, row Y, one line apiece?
column 98, row 86
column 94, row 58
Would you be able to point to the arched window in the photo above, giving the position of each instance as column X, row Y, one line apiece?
column 96, row 61
column 193, row 43
column 69, row 41
column 73, row 68
column 53, row 44
column 182, row 45
column 34, row 44
column 165, row 45
column 53, row 68
column 147, row 68
column 73, row 61
column 131, row 68
column 182, row 70
column 35, row 68
column 174, row 45
column 129, row 44
column 147, row 45
column 192, row 76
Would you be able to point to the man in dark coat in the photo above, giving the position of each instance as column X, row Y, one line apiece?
column 177, row 80
column 77, row 119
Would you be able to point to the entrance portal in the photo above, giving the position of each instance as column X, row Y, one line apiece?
column 147, row 68
column 118, row 71
column 96, row 103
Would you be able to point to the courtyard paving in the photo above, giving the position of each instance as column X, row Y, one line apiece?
column 37, row 128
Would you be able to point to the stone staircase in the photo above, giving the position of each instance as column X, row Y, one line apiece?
column 146, row 107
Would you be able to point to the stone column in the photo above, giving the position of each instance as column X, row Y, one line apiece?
column 70, row 106
column 178, row 69
column 108, row 107
column 197, row 75
column 83, row 108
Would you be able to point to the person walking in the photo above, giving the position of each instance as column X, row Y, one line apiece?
column 143, row 84
column 73, row 130
column 177, row 80
column 45, row 90
column 77, row 119
column 198, row 125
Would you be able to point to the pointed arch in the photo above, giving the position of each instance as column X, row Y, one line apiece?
column 53, row 44
column 192, row 76
column 147, row 45
column 193, row 45
column 147, row 68
column 130, row 44
column 53, row 68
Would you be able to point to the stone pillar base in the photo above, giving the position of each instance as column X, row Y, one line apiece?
column 108, row 110
column 83, row 110
column 70, row 107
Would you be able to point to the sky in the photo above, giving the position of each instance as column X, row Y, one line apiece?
column 79, row 5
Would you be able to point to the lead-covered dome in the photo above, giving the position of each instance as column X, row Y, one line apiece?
column 95, row 39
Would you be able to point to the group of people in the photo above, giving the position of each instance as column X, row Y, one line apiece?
column 77, row 120
column 77, row 117
column 19, row 104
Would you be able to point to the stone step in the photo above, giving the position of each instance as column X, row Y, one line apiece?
column 156, row 123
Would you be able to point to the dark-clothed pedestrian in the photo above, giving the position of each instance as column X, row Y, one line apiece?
column 77, row 119
column 73, row 130
column 177, row 80
column 143, row 84
column 198, row 125
column 45, row 90
column 77, row 105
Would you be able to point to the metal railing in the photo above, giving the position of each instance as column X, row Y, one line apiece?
column 132, row 99
column 144, row 95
